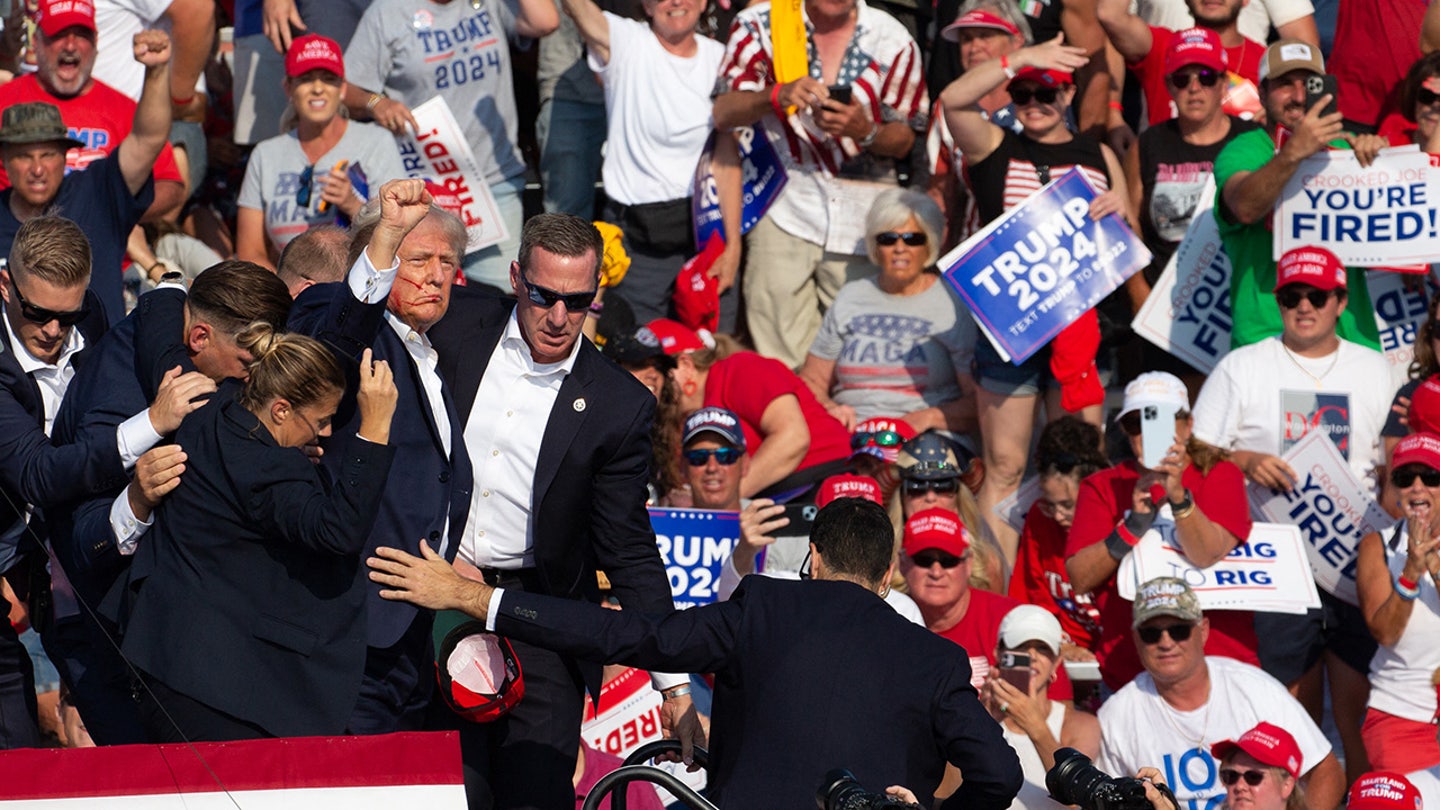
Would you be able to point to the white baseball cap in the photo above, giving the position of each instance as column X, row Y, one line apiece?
column 1030, row 623
column 1155, row 388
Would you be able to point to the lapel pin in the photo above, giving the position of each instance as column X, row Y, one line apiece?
column 579, row 404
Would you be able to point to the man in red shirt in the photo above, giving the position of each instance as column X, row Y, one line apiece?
column 95, row 113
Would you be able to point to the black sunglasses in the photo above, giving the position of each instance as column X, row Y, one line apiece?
column 930, row 556
column 1045, row 95
column 1426, row 97
column 1289, row 297
column 546, row 298
column 1178, row 632
column 725, row 455
column 1229, row 776
column 1208, row 78
column 944, row 486
column 302, row 193
column 911, row 238
column 881, row 438
column 42, row 316
column 1404, row 477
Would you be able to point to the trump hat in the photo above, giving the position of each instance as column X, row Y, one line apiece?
column 719, row 421
column 677, row 338
column 979, row 18
column 936, row 528
column 54, row 16
column 1313, row 265
column 314, row 52
column 1383, row 790
column 848, row 486
column 1045, row 76
column 479, row 675
column 1268, row 744
column 1155, row 388
column 1195, row 46
column 880, row 437
column 1417, row 448
column 1166, row 596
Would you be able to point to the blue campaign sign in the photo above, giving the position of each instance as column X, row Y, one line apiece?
column 694, row 543
column 762, row 178
column 1034, row 270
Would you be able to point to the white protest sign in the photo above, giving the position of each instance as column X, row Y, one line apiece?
column 1370, row 216
column 1268, row 572
column 1188, row 311
column 1014, row 508
column 1399, row 312
column 438, row 152
column 1329, row 506
column 629, row 717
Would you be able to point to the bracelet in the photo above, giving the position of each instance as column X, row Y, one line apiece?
column 152, row 267
column 372, row 101
column 1005, row 66
column 1115, row 105
column 870, row 138
column 676, row 691
column 775, row 102
column 182, row 102
column 597, row 307
column 1407, row 591
column 1184, row 509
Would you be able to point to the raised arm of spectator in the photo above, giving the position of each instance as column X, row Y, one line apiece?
column 192, row 26
column 1249, row 197
column 975, row 136
column 1082, row 29
column 151, row 127
column 786, row 440
column 1301, row 28
column 537, row 18
column 1386, row 612
column 1128, row 32
column 1204, row 541
column 594, row 27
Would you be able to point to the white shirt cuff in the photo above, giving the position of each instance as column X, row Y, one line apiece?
column 368, row 284
column 668, row 680
column 729, row 579
column 134, row 436
column 127, row 528
column 494, row 610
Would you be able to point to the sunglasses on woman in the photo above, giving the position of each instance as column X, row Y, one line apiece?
column 911, row 238
column 1289, row 297
column 42, row 316
column 1208, row 78
column 944, row 486
column 724, row 455
column 881, row 438
column 1404, row 477
column 1229, row 776
column 1023, row 95
column 930, row 556
column 1178, row 632
column 1426, row 97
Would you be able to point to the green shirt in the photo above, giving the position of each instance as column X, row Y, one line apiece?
column 1254, row 313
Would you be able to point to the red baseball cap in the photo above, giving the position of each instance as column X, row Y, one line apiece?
column 676, row 338
column 979, row 18
column 848, row 485
column 1268, row 744
column 1425, row 407
column 873, row 431
column 1045, row 76
column 1417, row 448
column 1315, row 266
column 1383, row 790
column 312, row 52
column 1195, row 46
column 937, row 528
column 479, row 676
column 697, row 293
column 54, row 16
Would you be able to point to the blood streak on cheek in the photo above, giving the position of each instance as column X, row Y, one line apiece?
column 395, row 293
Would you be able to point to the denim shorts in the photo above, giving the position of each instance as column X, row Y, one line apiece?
column 1002, row 377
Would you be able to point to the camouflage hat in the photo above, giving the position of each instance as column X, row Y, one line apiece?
column 1166, row 596
column 35, row 122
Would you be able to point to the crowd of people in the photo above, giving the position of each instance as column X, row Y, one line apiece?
column 272, row 403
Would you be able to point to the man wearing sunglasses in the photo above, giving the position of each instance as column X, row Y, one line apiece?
column 1185, row 702
column 559, row 440
column 713, row 452
column 1251, row 173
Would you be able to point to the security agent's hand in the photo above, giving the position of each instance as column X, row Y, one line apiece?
column 403, row 203
column 152, row 47
column 157, row 473
column 1158, row 799
column 178, row 396
column 427, row 581
column 680, row 720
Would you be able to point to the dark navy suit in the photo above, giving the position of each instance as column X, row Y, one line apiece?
column 427, row 488
column 809, row 676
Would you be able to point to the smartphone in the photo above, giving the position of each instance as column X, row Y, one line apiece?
column 841, row 93
column 1157, row 433
column 1317, row 86
column 1014, row 669
column 801, row 516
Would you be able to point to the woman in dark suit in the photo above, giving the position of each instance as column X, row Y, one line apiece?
column 248, row 619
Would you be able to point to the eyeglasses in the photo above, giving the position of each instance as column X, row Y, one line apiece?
column 1208, row 78
column 1404, row 477
column 724, row 455
column 1023, row 95
column 302, row 194
column 943, row 486
column 1050, row 510
column 42, row 316
column 546, row 298
column 1178, row 632
column 1289, row 297
column 930, row 556
column 911, row 238
column 1229, row 776
column 881, row 438
column 1426, row 97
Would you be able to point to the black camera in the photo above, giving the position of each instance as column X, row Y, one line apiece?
column 1076, row 780
column 840, row 791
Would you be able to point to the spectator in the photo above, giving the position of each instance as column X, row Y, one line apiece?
column 570, row 125
column 1261, row 769
column 161, row 247
column 307, row 176
column 900, row 342
column 1194, row 498
column 1168, row 171
column 715, row 462
column 1002, row 169
column 593, row 764
column 249, row 574
column 1185, row 702
column 1396, row 579
column 1374, row 48
column 1418, row 118
column 1147, row 49
column 316, row 256
column 875, row 450
column 33, row 142
column 641, row 354
column 793, row 442
column 932, row 475
column 1290, row 19
column 1379, row 790
column 806, row 248
column 1323, row 382
column 652, row 151
column 1251, row 172
column 1034, row 725
column 1068, row 452
column 403, row 54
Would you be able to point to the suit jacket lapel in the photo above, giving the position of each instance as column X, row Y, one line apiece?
column 566, row 417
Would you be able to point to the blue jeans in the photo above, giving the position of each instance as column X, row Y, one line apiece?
column 571, row 134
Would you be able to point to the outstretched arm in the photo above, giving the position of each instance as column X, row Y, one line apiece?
column 151, row 126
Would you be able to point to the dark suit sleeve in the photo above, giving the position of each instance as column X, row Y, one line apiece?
column 973, row 742
column 700, row 639
column 160, row 339
column 332, row 314
column 91, row 539
column 45, row 475
column 624, row 539
column 293, row 506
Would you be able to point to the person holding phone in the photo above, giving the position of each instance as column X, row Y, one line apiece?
column 1027, row 660
column 1194, row 497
